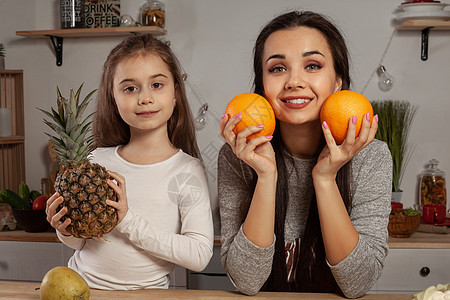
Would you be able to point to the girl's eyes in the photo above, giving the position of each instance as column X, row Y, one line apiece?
column 157, row 85
column 130, row 89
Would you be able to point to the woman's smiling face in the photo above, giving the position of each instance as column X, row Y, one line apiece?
column 298, row 74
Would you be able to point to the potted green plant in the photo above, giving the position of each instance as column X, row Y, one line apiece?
column 2, row 56
column 395, row 119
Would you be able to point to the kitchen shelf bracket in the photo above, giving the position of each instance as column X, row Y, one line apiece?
column 424, row 47
column 58, row 46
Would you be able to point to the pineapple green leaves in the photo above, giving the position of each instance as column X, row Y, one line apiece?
column 72, row 141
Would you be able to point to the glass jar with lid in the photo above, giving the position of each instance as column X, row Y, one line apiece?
column 153, row 13
column 432, row 185
column 45, row 187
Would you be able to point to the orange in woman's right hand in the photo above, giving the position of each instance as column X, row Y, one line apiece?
column 253, row 109
column 256, row 152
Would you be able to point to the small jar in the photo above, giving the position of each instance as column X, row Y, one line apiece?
column 45, row 187
column 153, row 13
column 432, row 185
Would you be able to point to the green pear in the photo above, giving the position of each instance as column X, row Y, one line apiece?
column 64, row 283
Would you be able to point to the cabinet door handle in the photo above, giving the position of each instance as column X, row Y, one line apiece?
column 425, row 271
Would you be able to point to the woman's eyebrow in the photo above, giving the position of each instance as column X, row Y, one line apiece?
column 280, row 56
column 306, row 54
column 313, row 52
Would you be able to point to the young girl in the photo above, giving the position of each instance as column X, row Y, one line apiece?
column 298, row 212
column 144, row 131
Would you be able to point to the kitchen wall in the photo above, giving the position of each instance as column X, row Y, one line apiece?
column 213, row 40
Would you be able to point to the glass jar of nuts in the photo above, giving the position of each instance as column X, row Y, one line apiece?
column 153, row 13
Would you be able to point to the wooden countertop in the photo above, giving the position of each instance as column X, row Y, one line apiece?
column 421, row 240
column 418, row 240
column 22, row 236
column 26, row 290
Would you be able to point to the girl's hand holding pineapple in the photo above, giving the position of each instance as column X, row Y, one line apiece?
column 54, row 216
column 121, row 205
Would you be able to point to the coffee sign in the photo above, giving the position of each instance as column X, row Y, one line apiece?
column 102, row 13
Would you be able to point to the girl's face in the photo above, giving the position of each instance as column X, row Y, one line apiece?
column 298, row 74
column 144, row 92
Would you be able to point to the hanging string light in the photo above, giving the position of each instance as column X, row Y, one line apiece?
column 386, row 80
column 202, row 119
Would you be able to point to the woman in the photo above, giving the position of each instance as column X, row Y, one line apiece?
column 298, row 212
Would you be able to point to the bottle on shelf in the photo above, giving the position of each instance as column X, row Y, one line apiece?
column 72, row 14
column 45, row 187
column 432, row 185
column 153, row 13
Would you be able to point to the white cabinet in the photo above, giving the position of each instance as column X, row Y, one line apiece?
column 178, row 278
column 213, row 277
column 29, row 261
column 413, row 270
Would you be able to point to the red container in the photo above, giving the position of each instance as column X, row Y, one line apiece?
column 396, row 205
column 433, row 213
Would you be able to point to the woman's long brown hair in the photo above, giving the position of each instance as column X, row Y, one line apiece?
column 312, row 273
column 109, row 128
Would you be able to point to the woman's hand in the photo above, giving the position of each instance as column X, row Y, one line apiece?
column 333, row 157
column 54, row 217
column 257, row 153
column 120, row 188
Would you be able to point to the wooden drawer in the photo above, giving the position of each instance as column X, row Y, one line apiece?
column 29, row 261
column 404, row 270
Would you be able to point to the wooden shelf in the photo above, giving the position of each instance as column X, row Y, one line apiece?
column 423, row 24
column 92, row 32
column 11, row 140
column 11, row 71
column 57, row 35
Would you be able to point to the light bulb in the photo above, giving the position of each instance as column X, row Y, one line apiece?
column 127, row 21
column 201, row 120
column 386, row 81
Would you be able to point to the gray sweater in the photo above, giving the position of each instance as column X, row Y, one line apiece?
column 248, row 266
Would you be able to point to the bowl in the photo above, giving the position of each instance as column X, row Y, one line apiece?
column 423, row 6
column 31, row 220
column 402, row 225
column 420, row 1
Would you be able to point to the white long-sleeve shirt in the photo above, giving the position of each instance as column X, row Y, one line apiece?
column 169, row 222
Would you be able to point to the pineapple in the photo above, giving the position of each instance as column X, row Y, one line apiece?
column 81, row 183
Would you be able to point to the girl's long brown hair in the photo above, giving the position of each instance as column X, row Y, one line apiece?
column 312, row 273
column 109, row 128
